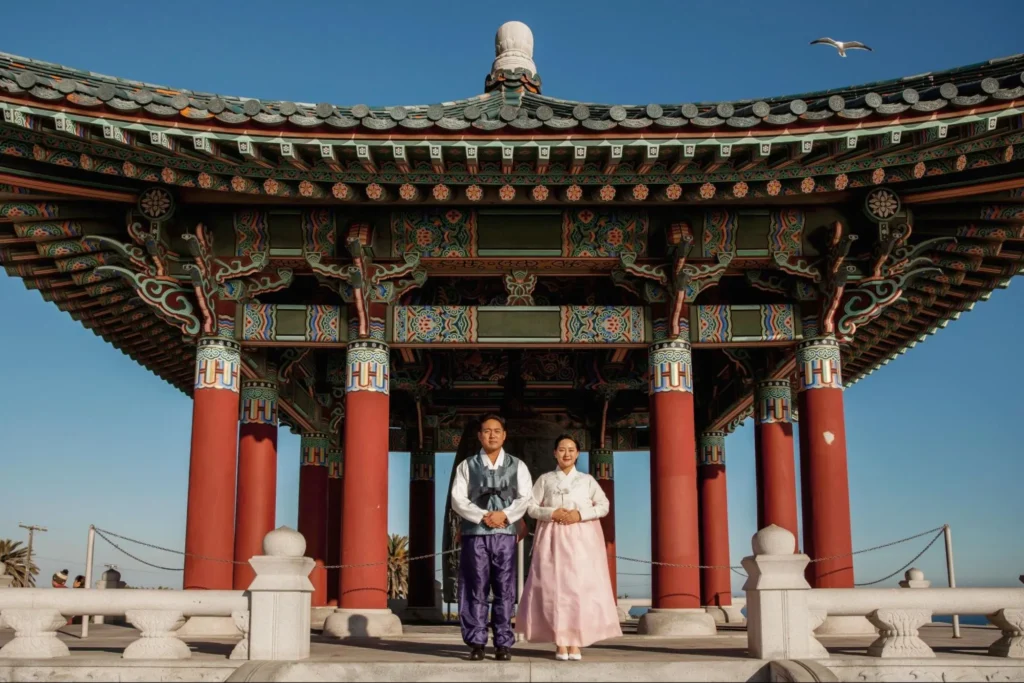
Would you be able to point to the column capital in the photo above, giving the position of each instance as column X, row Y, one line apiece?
column 773, row 401
column 335, row 463
column 819, row 363
column 602, row 464
column 368, row 367
column 421, row 465
column 314, row 447
column 711, row 449
column 670, row 366
column 258, row 402
column 218, row 363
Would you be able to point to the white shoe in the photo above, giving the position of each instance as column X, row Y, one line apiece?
column 562, row 657
column 576, row 657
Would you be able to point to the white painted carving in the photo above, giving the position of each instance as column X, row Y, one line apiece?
column 1011, row 623
column 158, row 638
column 829, row 437
column 241, row 650
column 35, row 634
column 898, row 633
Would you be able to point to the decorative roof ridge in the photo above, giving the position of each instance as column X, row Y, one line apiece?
column 515, row 100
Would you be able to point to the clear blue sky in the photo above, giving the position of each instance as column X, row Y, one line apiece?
column 88, row 436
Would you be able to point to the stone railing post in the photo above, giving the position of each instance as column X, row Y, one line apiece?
column 35, row 634
column 778, row 620
column 1011, row 644
column 898, row 628
column 280, row 598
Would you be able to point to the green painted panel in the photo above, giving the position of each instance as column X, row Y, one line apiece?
column 518, row 232
column 513, row 323
column 285, row 231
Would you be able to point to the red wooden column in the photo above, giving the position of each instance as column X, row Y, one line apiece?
column 674, row 526
column 210, row 520
column 715, row 580
column 313, row 485
column 256, row 504
column 364, row 518
column 602, row 468
column 421, row 535
column 335, row 495
column 826, row 490
column 773, row 455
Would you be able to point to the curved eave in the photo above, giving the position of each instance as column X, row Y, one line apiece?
column 939, row 94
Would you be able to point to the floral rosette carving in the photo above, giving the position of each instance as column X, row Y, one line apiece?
column 441, row 192
column 707, row 191
column 673, row 192
column 474, row 193
column 740, row 190
column 341, row 191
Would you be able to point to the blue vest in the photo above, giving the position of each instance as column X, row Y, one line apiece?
column 492, row 490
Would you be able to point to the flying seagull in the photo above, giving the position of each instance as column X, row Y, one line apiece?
column 842, row 47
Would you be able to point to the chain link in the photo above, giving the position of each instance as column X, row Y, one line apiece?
column 103, row 533
column 879, row 547
column 912, row 561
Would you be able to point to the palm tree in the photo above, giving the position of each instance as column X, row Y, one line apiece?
column 16, row 560
column 398, row 566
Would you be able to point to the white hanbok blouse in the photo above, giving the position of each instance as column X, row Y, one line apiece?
column 573, row 491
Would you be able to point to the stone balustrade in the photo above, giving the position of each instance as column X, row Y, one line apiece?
column 783, row 610
column 273, row 614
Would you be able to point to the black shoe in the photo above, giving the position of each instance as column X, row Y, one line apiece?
column 476, row 654
column 502, row 654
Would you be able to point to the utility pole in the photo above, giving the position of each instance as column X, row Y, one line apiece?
column 32, row 529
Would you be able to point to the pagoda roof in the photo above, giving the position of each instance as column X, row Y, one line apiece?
column 514, row 104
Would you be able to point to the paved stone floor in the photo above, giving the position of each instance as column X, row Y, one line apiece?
column 444, row 644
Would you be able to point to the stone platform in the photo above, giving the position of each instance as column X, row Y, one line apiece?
column 436, row 653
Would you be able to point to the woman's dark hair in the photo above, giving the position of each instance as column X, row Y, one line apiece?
column 491, row 416
column 567, row 437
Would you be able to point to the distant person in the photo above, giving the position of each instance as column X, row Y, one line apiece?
column 568, row 598
column 79, row 582
column 60, row 579
column 490, row 493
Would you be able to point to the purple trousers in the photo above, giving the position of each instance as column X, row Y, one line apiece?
column 487, row 565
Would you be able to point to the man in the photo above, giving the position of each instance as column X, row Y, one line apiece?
column 490, row 493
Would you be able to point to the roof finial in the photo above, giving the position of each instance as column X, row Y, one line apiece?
column 513, row 54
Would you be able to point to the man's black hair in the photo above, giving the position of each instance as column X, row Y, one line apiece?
column 492, row 416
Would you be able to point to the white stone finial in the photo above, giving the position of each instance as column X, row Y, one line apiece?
column 773, row 540
column 914, row 574
column 284, row 542
column 914, row 578
column 513, row 48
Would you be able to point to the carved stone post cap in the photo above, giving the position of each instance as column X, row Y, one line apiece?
column 773, row 540
column 914, row 578
column 284, row 542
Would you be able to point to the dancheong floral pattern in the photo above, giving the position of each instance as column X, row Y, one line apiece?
column 841, row 182
column 374, row 191
column 673, row 191
column 156, row 204
column 574, row 193
column 603, row 232
column 606, row 193
column 474, row 193
column 507, row 193
column 878, row 176
column 773, row 188
column 807, row 185
column 540, row 193
column 707, row 191
column 341, row 191
column 881, row 204
column 434, row 233
column 602, row 324
column 739, row 190
column 441, row 192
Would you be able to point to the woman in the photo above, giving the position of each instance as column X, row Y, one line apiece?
column 568, row 597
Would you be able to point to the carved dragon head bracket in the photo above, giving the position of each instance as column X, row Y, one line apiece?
column 147, row 267
column 847, row 300
column 676, row 283
column 364, row 282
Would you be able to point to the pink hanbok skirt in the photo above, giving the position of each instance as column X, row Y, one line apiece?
column 568, row 599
